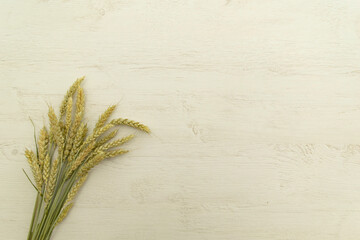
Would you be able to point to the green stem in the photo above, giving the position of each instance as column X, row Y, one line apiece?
column 44, row 228
column 46, row 211
column 45, row 217
column 38, row 213
column 49, row 218
column 50, row 224
column 54, row 212
column 33, row 217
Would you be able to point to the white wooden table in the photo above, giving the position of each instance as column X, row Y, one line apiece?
column 254, row 107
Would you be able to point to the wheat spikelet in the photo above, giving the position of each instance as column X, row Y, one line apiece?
column 107, row 138
column 102, row 145
column 75, row 188
column 78, row 140
column 43, row 146
column 97, row 133
column 75, row 128
column 64, row 213
column 69, row 93
column 79, row 160
column 91, row 163
column 46, row 169
column 62, row 128
column 102, row 130
column 84, row 133
column 104, row 117
column 68, row 146
column 35, row 168
column 80, row 101
column 28, row 155
column 51, row 137
column 70, row 141
column 80, row 105
column 116, row 143
column 77, row 121
column 115, row 153
column 56, row 129
column 68, row 115
column 131, row 123
column 52, row 180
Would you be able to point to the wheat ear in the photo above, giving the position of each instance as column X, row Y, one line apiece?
column 97, row 134
column 43, row 146
column 46, row 169
column 115, row 153
column 107, row 138
column 102, row 144
column 75, row 188
column 55, row 127
column 80, row 107
column 76, row 126
column 64, row 213
column 68, row 115
column 52, row 180
column 131, row 123
column 116, row 143
column 104, row 117
column 35, row 168
column 79, row 138
column 80, row 100
column 91, row 163
column 79, row 160
column 69, row 93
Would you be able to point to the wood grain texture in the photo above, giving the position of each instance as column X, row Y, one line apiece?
column 254, row 107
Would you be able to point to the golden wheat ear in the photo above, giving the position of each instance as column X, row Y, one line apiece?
column 131, row 123
column 104, row 117
column 69, row 94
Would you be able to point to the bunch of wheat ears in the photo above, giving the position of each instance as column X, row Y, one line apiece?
column 64, row 156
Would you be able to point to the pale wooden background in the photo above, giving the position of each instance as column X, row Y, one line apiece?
column 254, row 107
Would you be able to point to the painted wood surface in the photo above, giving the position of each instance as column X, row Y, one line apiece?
column 254, row 108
